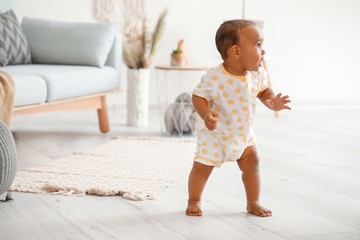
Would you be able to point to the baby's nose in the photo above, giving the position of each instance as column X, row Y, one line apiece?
column 263, row 52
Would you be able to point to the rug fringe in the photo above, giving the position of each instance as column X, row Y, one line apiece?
column 137, row 196
column 160, row 139
column 61, row 190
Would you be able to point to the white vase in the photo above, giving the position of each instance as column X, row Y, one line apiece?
column 138, row 97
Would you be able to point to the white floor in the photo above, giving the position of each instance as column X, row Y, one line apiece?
column 310, row 180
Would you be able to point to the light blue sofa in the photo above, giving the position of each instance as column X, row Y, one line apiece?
column 74, row 66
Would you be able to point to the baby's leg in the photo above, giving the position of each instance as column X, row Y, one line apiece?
column 198, row 177
column 249, row 165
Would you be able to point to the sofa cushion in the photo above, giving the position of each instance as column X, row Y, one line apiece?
column 29, row 89
column 67, row 81
column 13, row 45
column 54, row 42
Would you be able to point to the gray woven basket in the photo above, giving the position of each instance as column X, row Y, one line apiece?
column 8, row 158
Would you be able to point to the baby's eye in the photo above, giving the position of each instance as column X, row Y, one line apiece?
column 258, row 44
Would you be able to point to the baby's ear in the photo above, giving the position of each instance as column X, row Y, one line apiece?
column 234, row 51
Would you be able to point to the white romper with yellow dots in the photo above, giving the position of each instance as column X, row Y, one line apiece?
column 234, row 99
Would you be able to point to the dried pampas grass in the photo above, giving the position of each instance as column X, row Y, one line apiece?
column 140, row 44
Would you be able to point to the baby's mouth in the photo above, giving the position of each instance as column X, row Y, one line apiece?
column 261, row 62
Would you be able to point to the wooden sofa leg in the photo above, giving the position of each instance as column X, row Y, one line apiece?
column 103, row 116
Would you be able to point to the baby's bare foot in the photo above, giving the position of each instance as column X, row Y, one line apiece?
column 194, row 208
column 255, row 208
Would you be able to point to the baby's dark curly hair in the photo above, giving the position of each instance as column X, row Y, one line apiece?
column 227, row 35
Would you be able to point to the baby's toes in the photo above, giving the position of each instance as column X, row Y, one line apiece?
column 266, row 213
column 269, row 212
column 195, row 212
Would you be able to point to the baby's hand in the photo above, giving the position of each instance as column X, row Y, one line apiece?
column 278, row 103
column 211, row 120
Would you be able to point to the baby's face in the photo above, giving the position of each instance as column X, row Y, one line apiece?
column 252, row 54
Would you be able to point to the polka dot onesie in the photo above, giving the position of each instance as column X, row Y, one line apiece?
column 234, row 99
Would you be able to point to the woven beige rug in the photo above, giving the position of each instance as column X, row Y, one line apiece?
column 135, row 168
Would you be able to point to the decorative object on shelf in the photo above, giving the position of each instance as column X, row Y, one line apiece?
column 179, row 56
column 180, row 116
column 139, row 47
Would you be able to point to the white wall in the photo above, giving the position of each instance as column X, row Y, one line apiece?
column 313, row 43
column 63, row 10
column 316, row 45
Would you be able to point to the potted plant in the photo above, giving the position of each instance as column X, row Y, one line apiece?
column 179, row 56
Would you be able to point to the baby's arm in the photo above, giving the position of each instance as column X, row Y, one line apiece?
column 276, row 103
column 202, row 108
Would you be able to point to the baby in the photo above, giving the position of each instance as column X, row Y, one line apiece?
column 225, row 100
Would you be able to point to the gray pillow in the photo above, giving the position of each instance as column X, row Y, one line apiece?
column 54, row 42
column 13, row 45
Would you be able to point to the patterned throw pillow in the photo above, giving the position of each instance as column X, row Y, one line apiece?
column 14, row 48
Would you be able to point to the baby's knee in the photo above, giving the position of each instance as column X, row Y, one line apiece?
column 249, row 163
column 202, row 168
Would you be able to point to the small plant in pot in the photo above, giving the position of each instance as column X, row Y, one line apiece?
column 179, row 56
